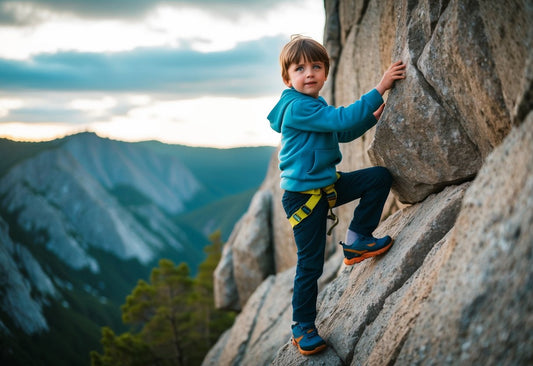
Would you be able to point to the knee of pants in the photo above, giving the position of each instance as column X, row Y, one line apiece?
column 384, row 175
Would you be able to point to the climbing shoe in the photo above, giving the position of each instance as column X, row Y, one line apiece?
column 307, row 340
column 365, row 247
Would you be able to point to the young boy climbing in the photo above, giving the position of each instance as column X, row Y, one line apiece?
column 311, row 131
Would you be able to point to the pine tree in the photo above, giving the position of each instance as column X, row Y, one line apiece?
column 163, row 309
column 173, row 315
column 125, row 350
column 213, row 322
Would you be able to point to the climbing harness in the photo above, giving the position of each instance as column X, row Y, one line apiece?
column 316, row 194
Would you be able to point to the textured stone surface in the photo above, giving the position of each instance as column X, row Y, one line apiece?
column 457, row 62
column 457, row 102
column 224, row 287
column 355, row 298
column 248, row 253
column 510, row 41
column 416, row 230
column 381, row 341
column 481, row 306
column 262, row 327
column 424, row 145
column 259, row 329
column 282, row 239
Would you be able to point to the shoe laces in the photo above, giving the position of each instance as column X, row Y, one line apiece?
column 367, row 237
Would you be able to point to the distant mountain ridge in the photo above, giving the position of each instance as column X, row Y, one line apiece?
column 86, row 217
column 162, row 178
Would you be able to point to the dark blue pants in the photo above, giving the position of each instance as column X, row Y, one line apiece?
column 372, row 186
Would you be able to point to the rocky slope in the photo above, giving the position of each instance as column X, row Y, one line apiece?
column 457, row 134
column 53, row 200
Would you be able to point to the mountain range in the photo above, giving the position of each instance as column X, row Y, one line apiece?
column 83, row 218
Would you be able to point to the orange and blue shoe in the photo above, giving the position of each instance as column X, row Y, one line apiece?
column 306, row 338
column 365, row 247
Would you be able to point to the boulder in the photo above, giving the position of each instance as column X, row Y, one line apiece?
column 481, row 307
column 247, row 258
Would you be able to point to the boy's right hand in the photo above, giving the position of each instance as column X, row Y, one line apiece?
column 396, row 71
column 379, row 111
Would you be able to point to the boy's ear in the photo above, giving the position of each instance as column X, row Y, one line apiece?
column 288, row 83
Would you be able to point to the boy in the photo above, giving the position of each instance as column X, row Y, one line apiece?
column 310, row 135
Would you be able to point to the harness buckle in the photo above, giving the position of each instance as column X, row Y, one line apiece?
column 306, row 209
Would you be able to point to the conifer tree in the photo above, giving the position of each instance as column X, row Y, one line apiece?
column 173, row 316
column 212, row 321
column 163, row 308
column 126, row 350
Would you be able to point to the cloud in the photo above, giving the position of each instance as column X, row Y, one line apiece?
column 51, row 107
column 205, row 121
column 191, row 71
column 250, row 69
column 163, row 27
column 16, row 12
column 45, row 114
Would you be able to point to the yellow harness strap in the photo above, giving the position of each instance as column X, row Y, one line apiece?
column 316, row 195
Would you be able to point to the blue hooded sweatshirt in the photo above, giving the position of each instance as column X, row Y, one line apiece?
column 310, row 134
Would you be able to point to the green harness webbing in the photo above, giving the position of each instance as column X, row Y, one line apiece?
column 316, row 195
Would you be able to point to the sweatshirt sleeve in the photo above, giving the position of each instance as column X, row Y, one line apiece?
column 310, row 114
column 350, row 135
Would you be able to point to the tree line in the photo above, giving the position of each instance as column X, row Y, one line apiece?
column 173, row 318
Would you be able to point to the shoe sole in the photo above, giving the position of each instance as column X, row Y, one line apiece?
column 311, row 352
column 367, row 255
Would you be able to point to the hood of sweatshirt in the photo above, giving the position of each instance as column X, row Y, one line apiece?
column 276, row 115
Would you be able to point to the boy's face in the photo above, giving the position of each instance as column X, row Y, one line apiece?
column 307, row 77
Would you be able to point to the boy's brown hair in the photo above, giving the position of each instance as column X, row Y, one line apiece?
column 302, row 47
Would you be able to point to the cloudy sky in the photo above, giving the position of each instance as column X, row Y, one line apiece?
column 195, row 72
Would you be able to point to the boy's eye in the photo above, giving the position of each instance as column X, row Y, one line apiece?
column 299, row 68
column 317, row 66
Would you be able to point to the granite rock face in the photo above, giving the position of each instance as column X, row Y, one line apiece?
column 23, row 303
column 457, row 135
column 455, row 288
column 459, row 99
column 248, row 258
column 486, row 281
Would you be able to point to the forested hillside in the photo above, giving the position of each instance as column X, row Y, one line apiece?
column 83, row 218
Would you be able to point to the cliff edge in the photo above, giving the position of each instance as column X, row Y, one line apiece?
column 457, row 135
